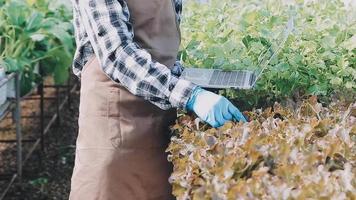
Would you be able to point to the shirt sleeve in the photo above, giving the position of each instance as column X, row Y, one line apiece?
column 111, row 36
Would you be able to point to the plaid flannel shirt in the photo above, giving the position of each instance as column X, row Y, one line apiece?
column 102, row 28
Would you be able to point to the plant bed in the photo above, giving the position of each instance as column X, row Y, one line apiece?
column 308, row 153
column 46, row 174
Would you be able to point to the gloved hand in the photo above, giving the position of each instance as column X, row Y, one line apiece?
column 212, row 108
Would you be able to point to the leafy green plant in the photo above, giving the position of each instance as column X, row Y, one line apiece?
column 317, row 59
column 40, row 183
column 35, row 34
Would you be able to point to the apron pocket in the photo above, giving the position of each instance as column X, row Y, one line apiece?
column 114, row 102
column 115, row 132
column 113, row 117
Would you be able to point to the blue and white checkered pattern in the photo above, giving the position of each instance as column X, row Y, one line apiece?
column 102, row 28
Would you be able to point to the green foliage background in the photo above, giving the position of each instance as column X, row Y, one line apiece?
column 36, row 34
column 317, row 59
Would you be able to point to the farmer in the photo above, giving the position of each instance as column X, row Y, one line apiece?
column 126, row 59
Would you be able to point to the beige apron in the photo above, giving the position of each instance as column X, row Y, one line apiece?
column 122, row 138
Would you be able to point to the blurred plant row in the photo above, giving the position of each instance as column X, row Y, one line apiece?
column 319, row 57
column 36, row 39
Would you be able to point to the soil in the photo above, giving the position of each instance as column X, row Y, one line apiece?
column 46, row 175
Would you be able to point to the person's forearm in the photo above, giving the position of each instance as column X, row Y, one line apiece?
column 124, row 61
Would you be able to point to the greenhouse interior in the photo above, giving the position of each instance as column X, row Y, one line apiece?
column 240, row 99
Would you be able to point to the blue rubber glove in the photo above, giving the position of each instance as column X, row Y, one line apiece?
column 212, row 108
